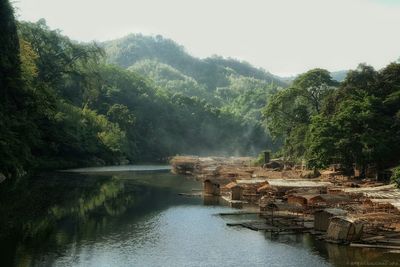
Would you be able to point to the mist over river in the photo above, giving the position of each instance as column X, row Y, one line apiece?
column 133, row 216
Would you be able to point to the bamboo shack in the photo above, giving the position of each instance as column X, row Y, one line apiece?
column 284, row 185
column 211, row 187
column 249, row 188
column 184, row 164
column 343, row 229
column 234, row 190
column 378, row 198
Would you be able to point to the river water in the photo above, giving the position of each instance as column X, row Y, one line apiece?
column 134, row 216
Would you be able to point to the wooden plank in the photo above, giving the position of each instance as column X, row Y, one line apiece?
column 359, row 245
column 237, row 213
column 373, row 238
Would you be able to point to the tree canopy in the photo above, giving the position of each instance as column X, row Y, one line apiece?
column 355, row 122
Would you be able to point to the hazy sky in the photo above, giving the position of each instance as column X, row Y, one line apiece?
column 282, row 36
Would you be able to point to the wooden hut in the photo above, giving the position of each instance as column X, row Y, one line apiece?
column 322, row 218
column 284, row 185
column 315, row 200
column 249, row 188
column 211, row 188
column 328, row 200
column 267, row 205
column 344, row 229
column 184, row 164
column 297, row 199
column 235, row 190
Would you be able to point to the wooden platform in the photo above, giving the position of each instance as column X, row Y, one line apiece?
column 263, row 226
column 233, row 201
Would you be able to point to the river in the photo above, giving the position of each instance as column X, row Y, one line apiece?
column 133, row 216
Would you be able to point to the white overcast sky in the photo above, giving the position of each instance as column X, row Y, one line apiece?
column 284, row 37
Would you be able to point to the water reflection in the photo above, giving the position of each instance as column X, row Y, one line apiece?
column 48, row 212
column 129, row 218
column 211, row 201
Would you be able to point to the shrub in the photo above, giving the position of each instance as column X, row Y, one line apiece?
column 396, row 176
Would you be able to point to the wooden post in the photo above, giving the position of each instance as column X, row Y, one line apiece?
column 267, row 157
column 272, row 217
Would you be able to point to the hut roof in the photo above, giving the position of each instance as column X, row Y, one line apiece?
column 306, row 196
column 264, row 188
column 350, row 219
column 332, row 198
column 230, row 185
column 384, row 188
column 393, row 202
column 382, row 194
column 284, row 206
column 328, row 172
column 297, row 183
column 377, row 217
column 251, row 181
column 334, row 211
column 212, row 180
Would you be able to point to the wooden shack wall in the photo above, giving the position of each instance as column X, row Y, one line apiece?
column 321, row 220
column 236, row 193
column 297, row 200
column 337, row 230
column 211, row 188
column 341, row 230
column 318, row 200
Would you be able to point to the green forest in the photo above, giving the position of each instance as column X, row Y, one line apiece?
column 143, row 98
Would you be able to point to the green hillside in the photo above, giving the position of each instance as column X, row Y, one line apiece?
column 236, row 87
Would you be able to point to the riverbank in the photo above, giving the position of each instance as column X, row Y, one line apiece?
column 334, row 207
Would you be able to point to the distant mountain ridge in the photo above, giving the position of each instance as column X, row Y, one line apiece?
column 212, row 71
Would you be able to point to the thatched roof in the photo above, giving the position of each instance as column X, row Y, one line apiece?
column 333, row 211
column 379, row 194
column 264, row 188
column 251, row 181
column 292, row 183
column 283, row 206
column 230, row 185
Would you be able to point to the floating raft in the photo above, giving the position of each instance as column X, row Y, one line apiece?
column 238, row 213
column 233, row 201
column 197, row 194
column 259, row 226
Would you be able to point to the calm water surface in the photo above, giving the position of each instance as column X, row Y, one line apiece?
column 132, row 216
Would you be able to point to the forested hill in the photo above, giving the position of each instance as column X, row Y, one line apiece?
column 232, row 86
column 212, row 72
column 64, row 105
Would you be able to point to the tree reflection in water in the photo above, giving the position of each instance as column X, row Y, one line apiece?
column 48, row 212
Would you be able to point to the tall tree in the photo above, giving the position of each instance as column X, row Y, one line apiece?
column 290, row 111
column 14, row 125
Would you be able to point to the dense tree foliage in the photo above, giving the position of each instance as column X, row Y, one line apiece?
column 63, row 105
column 354, row 123
column 289, row 111
column 17, row 132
